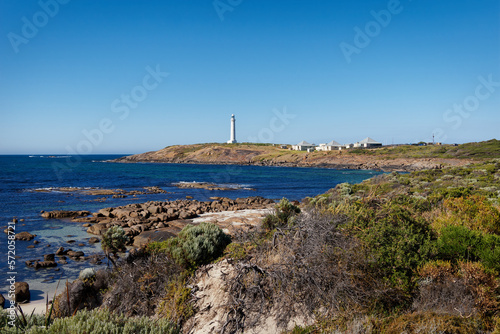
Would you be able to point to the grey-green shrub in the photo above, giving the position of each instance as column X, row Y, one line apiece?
column 197, row 245
column 114, row 239
column 105, row 322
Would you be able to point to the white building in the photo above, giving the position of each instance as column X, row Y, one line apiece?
column 303, row 146
column 367, row 142
column 233, row 131
column 331, row 146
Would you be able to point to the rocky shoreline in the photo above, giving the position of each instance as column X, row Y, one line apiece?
column 146, row 222
column 255, row 155
column 165, row 218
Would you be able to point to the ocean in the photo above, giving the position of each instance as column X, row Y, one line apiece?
column 30, row 184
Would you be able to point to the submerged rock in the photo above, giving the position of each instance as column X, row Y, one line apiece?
column 25, row 236
column 58, row 214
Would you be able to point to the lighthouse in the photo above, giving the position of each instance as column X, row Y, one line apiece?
column 233, row 131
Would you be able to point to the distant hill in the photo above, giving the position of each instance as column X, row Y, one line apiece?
column 400, row 158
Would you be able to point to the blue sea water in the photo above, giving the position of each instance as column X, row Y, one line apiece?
column 23, row 177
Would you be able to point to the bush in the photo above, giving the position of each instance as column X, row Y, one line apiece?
column 474, row 212
column 176, row 304
column 399, row 242
column 142, row 282
column 114, row 239
column 197, row 245
column 489, row 252
column 311, row 267
column 87, row 274
column 105, row 322
column 283, row 216
column 461, row 289
column 458, row 243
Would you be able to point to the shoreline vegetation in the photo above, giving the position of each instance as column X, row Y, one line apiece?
column 414, row 252
column 391, row 158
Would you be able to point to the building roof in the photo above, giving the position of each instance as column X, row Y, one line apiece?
column 369, row 140
column 333, row 143
column 304, row 143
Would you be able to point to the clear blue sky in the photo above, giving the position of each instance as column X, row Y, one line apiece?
column 67, row 67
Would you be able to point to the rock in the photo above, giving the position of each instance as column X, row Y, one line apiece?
column 154, row 209
column 186, row 215
column 189, row 197
column 14, row 220
column 60, row 251
column 2, row 301
column 94, row 240
column 36, row 242
column 81, row 245
column 58, row 214
column 9, row 230
column 105, row 213
column 71, row 241
column 31, row 246
column 49, row 257
column 44, row 264
column 154, row 219
column 75, row 254
column 22, row 292
column 156, row 235
column 25, row 236
column 86, row 225
column 97, row 229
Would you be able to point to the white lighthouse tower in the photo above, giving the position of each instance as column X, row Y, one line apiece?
column 233, row 131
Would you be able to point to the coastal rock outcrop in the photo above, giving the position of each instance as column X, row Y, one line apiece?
column 22, row 292
column 25, row 236
column 59, row 214
column 137, row 219
column 266, row 155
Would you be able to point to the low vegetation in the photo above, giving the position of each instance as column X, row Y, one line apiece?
column 99, row 322
column 399, row 253
column 411, row 253
column 482, row 150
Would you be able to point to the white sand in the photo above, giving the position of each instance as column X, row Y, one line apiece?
column 38, row 298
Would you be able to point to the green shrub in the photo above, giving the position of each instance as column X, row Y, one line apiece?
column 454, row 192
column 458, row 243
column 105, row 322
column 176, row 305
column 197, row 245
column 399, row 242
column 284, row 215
column 114, row 239
column 20, row 324
column 489, row 252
